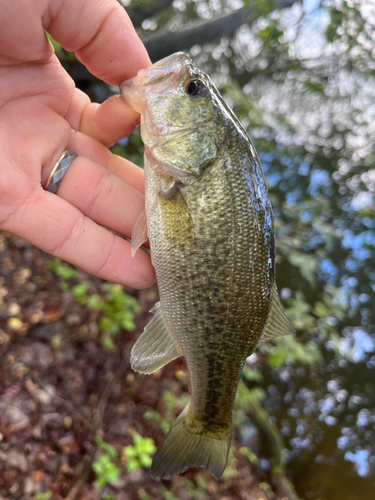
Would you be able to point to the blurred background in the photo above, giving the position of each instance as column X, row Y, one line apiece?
column 76, row 422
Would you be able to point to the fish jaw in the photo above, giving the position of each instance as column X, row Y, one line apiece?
column 163, row 69
column 161, row 76
column 133, row 95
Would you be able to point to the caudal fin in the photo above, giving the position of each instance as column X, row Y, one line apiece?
column 185, row 446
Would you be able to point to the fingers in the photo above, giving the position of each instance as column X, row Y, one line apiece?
column 125, row 170
column 31, row 137
column 108, row 122
column 104, row 39
column 22, row 38
column 99, row 31
column 102, row 36
column 103, row 197
column 58, row 228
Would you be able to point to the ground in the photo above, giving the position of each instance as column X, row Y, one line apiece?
column 59, row 388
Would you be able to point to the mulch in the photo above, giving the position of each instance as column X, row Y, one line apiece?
column 59, row 388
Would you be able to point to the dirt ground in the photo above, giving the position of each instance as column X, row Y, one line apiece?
column 59, row 388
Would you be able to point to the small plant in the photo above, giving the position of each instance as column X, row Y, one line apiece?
column 166, row 493
column 80, row 292
column 139, row 454
column 252, row 458
column 63, row 271
column 104, row 466
column 197, row 491
column 108, row 496
column 171, row 403
column 231, row 469
column 44, row 496
column 117, row 308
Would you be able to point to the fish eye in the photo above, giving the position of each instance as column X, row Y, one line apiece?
column 192, row 87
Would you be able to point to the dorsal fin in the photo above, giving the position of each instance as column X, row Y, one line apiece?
column 277, row 323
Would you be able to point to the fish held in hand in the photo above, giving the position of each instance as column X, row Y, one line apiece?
column 209, row 222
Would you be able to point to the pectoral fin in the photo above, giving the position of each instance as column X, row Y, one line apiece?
column 155, row 347
column 139, row 233
column 171, row 190
column 278, row 323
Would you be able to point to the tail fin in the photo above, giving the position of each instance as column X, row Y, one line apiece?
column 187, row 445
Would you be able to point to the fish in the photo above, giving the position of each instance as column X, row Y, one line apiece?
column 209, row 222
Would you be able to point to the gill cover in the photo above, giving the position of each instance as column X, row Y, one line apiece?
column 178, row 129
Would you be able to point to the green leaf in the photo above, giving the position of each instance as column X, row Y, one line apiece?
column 129, row 451
column 246, row 452
column 306, row 264
column 133, row 464
column 80, row 292
column 95, row 302
column 62, row 269
column 251, row 375
column 145, row 460
column 56, row 46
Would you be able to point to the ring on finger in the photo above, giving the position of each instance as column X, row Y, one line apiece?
column 59, row 170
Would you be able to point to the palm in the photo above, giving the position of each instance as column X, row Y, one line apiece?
column 42, row 114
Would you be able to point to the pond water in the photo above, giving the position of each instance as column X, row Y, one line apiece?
column 327, row 417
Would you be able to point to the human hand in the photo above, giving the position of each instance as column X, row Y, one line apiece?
column 42, row 114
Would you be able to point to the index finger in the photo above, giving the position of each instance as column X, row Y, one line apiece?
column 102, row 36
column 98, row 31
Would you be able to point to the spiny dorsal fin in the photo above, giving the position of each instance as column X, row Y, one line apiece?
column 278, row 323
column 139, row 233
column 155, row 347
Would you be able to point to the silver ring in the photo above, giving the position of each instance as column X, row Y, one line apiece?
column 59, row 170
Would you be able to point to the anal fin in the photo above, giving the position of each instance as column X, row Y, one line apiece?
column 139, row 233
column 277, row 324
column 155, row 347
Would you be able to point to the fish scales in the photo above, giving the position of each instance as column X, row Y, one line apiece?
column 210, row 227
column 217, row 293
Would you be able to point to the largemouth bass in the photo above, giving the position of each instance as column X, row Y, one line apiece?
column 209, row 222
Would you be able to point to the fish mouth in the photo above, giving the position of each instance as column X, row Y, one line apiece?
column 169, row 68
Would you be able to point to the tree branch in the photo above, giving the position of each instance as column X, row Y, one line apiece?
column 162, row 44
column 138, row 13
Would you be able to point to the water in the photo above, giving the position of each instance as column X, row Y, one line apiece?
column 327, row 420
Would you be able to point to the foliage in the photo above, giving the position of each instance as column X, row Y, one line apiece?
column 139, row 454
column 231, row 470
column 43, row 496
column 166, row 493
column 104, row 465
column 56, row 46
column 117, row 309
column 288, row 350
column 63, row 271
column 171, row 404
column 107, row 465
column 246, row 452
